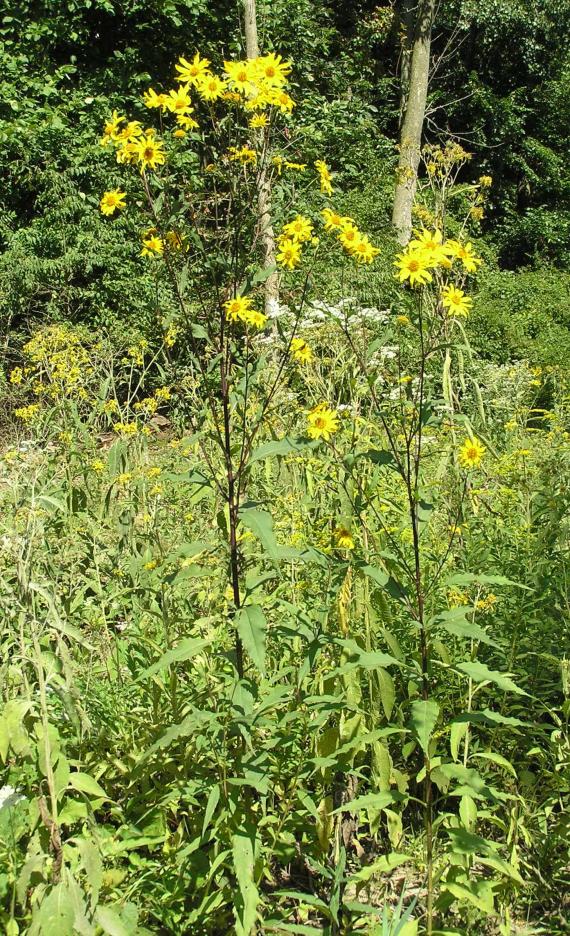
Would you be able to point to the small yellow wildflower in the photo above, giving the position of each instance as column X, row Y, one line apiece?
column 343, row 538
column 258, row 121
column 28, row 413
column 152, row 99
column 98, row 465
column 333, row 220
column 349, row 236
column 210, row 87
column 236, row 309
column 300, row 229
column 271, row 70
column 363, row 251
column 243, row 154
column 240, row 74
column 413, row 266
column 16, row 375
column 456, row 598
column 464, row 252
column 192, row 72
column 456, row 301
column 300, row 351
column 126, row 428
column 178, row 101
column 485, row 181
column 150, row 153
column 152, row 244
column 112, row 128
column 170, row 336
column 289, row 254
column 112, row 201
column 325, row 177
column 322, row 422
column 471, row 453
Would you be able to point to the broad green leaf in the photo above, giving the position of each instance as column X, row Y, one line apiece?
column 423, row 719
column 251, row 626
column 193, row 722
column 111, row 923
column 371, row 801
column 260, row 522
column 278, row 447
column 481, row 673
column 497, row 759
column 55, row 915
column 84, row 783
column 480, row 894
column 382, row 865
column 378, row 576
column 246, row 908
column 183, row 651
column 487, row 717
column 469, row 578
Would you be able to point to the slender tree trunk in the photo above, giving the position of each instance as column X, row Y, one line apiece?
column 267, row 233
column 251, row 42
column 407, row 22
column 412, row 124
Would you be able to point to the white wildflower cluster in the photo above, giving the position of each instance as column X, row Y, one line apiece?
column 318, row 312
column 9, row 796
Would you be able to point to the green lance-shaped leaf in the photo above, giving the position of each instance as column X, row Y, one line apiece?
column 423, row 720
column 246, row 908
column 184, row 650
column 85, row 783
column 481, row 673
column 251, row 626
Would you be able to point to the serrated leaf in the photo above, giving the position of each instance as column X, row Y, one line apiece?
column 481, row 673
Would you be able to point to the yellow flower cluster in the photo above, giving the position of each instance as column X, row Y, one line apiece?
column 294, row 234
column 426, row 252
column 356, row 244
column 325, row 177
column 28, row 413
column 58, row 363
column 133, row 144
column 242, row 154
column 239, row 309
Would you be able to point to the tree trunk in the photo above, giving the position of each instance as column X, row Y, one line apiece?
column 412, row 124
column 251, row 43
column 266, row 231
